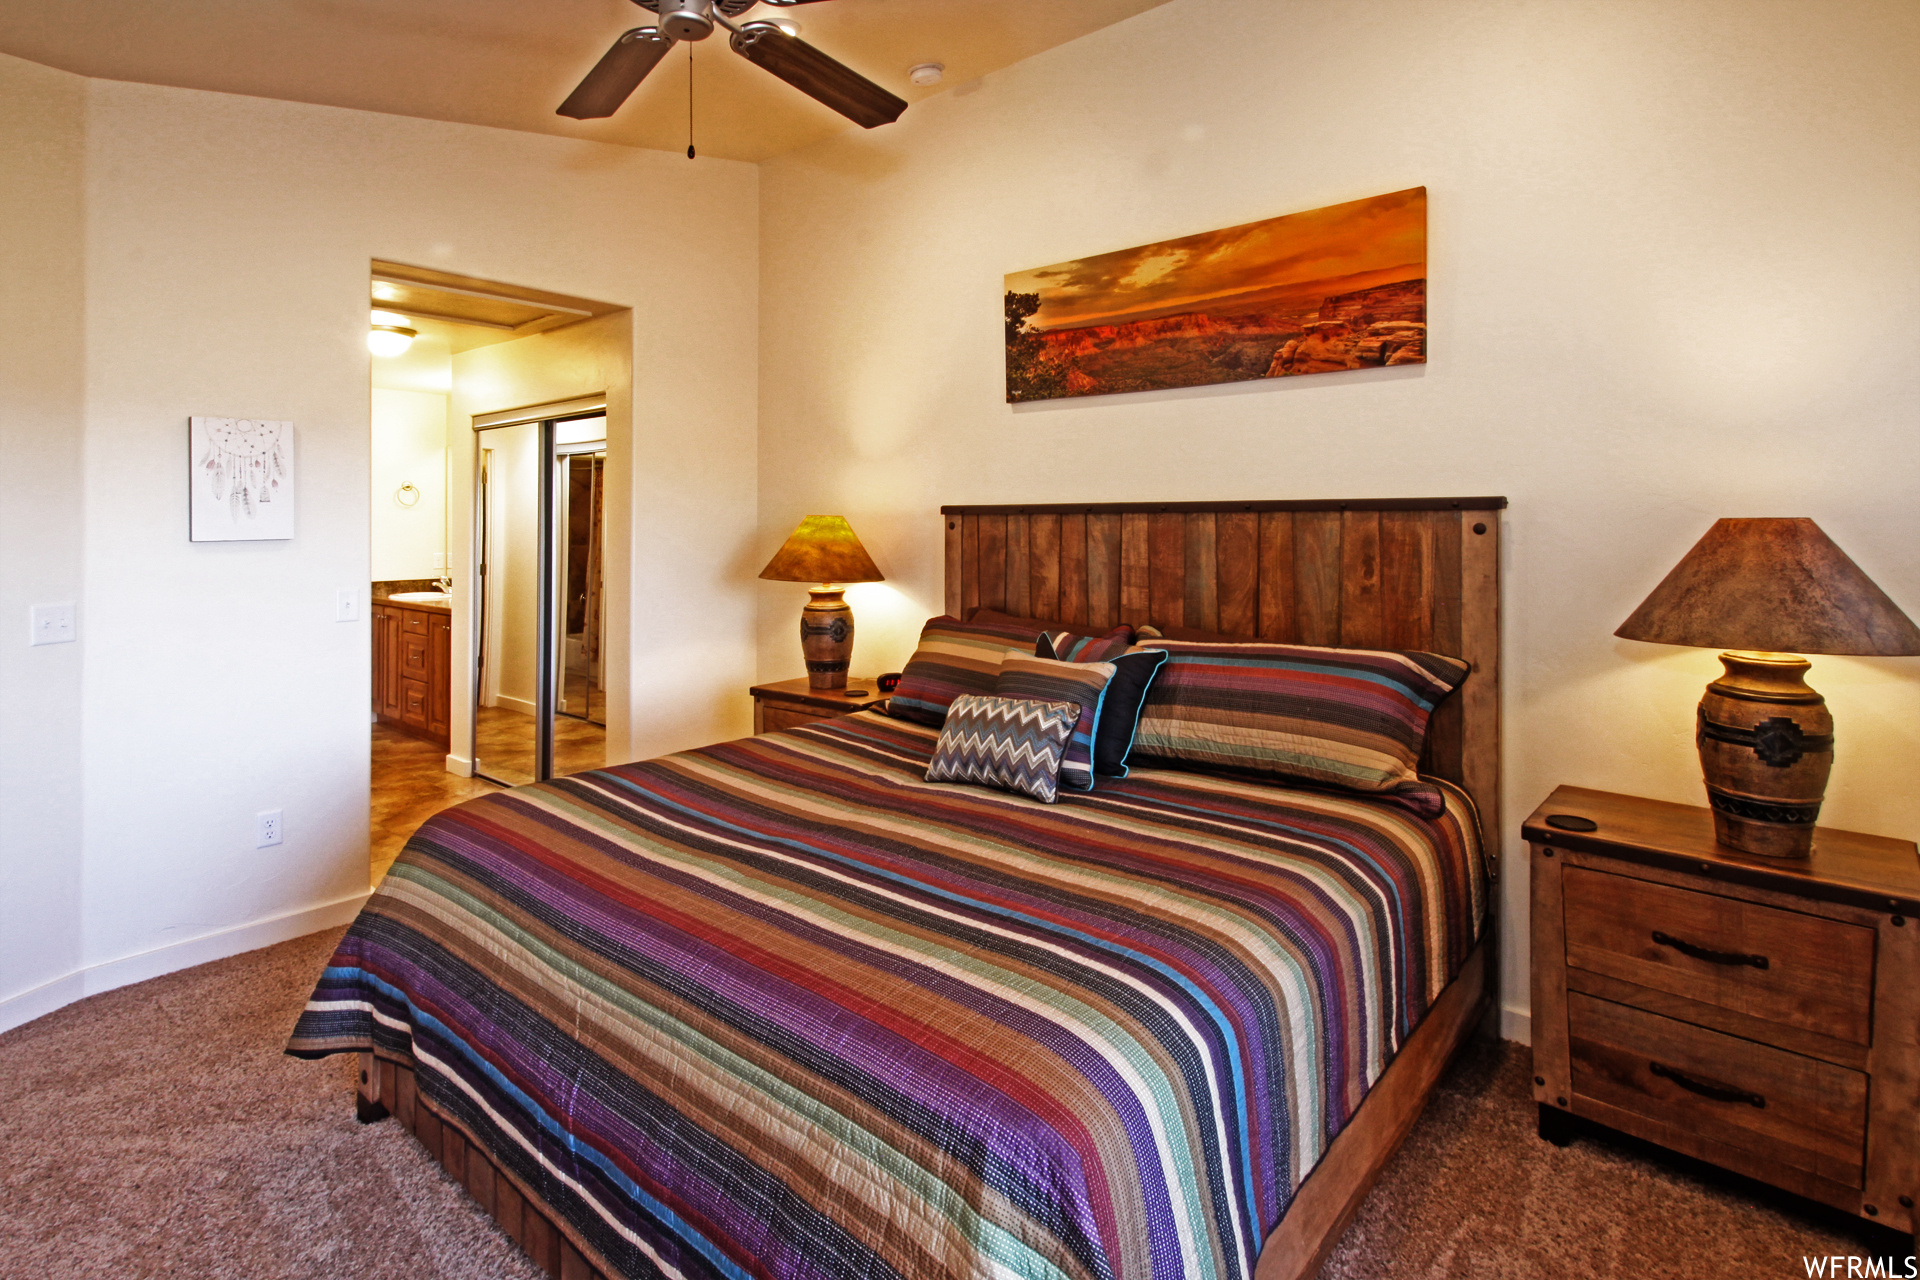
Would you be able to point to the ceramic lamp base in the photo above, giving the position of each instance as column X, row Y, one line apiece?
column 826, row 637
column 1766, row 748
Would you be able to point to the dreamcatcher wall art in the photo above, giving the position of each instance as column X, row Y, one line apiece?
column 242, row 479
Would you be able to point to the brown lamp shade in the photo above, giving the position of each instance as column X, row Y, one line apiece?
column 1779, row 586
column 822, row 549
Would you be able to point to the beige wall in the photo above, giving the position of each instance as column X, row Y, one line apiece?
column 227, row 243
column 42, row 390
column 1673, row 265
column 409, row 447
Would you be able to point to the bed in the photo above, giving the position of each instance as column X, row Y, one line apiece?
column 781, row 1007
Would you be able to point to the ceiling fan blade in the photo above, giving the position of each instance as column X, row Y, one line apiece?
column 816, row 75
column 617, row 74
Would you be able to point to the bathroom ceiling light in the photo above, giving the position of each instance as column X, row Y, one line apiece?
column 385, row 341
column 390, row 335
column 927, row 72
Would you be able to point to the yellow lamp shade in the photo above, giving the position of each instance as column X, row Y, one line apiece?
column 822, row 549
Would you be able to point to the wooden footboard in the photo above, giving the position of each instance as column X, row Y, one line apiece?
column 387, row 1088
column 1333, row 1192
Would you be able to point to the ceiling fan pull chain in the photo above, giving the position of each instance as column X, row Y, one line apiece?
column 689, row 102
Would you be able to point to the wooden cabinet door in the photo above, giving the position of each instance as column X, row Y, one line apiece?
column 440, row 676
column 386, row 661
column 395, row 700
column 377, row 616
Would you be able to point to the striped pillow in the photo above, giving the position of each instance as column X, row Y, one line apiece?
column 1120, row 713
column 1069, row 647
column 1084, row 684
column 1014, row 744
column 1353, row 718
column 954, row 658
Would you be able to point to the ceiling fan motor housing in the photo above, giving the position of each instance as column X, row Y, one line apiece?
column 687, row 19
column 693, row 19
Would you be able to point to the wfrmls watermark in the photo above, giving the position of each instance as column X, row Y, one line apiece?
column 1841, row 1266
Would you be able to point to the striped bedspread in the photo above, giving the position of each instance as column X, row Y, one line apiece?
column 782, row 1008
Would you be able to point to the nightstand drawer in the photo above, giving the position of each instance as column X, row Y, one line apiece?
column 1691, row 1083
column 775, row 718
column 1780, row 966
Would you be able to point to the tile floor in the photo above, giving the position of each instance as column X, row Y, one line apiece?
column 410, row 785
column 411, row 782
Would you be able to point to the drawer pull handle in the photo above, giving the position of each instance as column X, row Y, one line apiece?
column 1718, row 1092
column 1707, row 954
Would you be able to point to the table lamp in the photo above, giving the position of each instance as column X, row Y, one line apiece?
column 824, row 550
column 1768, row 590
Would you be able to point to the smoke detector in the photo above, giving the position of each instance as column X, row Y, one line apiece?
column 927, row 72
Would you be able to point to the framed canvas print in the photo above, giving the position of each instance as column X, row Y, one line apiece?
column 1344, row 287
column 241, row 479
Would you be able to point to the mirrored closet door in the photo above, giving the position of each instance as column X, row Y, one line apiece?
column 539, row 499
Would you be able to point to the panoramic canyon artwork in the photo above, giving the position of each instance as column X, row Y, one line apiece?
column 1344, row 287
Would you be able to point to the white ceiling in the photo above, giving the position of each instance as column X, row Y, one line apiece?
column 509, row 63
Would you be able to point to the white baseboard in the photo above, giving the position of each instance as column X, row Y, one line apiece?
column 459, row 766
column 525, row 706
column 18, row 1010
column 1516, row 1024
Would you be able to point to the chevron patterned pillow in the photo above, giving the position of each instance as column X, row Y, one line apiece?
column 1014, row 744
column 1081, row 683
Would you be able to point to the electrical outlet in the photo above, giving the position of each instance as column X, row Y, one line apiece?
column 266, row 828
column 346, row 606
column 51, row 624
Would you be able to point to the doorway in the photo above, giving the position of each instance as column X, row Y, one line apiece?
column 448, row 352
column 539, row 699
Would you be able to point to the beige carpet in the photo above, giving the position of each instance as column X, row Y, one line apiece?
column 158, row 1131
column 1474, row 1192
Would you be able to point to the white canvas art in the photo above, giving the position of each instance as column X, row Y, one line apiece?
column 242, row 479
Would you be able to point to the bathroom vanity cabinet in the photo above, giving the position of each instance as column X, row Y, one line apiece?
column 413, row 668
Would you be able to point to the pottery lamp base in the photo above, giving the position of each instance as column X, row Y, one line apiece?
column 826, row 637
column 1766, row 749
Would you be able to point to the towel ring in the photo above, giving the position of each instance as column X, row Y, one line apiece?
column 401, row 495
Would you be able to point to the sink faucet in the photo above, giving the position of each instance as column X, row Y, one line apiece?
column 443, row 584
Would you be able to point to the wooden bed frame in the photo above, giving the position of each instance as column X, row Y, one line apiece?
column 1393, row 573
column 1396, row 573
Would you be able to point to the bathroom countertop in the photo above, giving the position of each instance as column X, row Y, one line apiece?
column 381, row 597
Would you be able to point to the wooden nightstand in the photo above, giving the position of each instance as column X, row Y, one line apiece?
column 1760, row 1014
column 789, row 703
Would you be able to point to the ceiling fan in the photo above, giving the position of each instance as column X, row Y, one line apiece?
column 765, row 44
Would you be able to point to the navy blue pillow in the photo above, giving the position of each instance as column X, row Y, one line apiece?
column 1120, row 711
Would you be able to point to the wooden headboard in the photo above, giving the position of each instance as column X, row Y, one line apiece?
column 1391, row 573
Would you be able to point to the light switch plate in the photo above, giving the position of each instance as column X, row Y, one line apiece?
column 346, row 606
column 51, row 624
